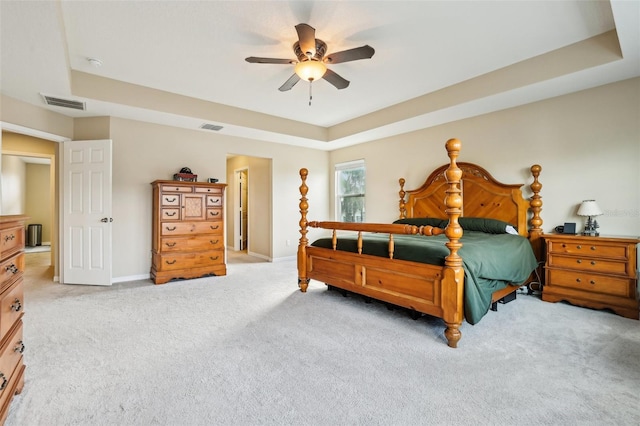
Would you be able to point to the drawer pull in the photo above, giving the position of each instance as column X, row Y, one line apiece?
column 579, row 261
column 593, row 262
column 593, row 248
column 12, row 268
column 5, row 381
column 578, row 280
column 214, row 258
column 16, row 305
column 170, row 214
column 592, row 282
column 171, row 244
column 214, row 227
column 214, row 213
column 214, row 242
column 578, row 247
column 9, row 238
column 170, row 229
column 173, row 200
column 170, row 262
column 19, row 347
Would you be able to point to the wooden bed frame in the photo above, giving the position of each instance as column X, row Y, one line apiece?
column 429, row 289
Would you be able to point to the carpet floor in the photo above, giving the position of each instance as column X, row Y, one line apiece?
column 250, row 349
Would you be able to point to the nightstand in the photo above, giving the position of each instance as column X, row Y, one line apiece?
column 596, row 272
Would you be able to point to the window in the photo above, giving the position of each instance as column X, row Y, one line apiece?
column 350, row 188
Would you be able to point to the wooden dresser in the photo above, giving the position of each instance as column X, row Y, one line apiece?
column 188, row 230
column 596, row 272
column 12, row 239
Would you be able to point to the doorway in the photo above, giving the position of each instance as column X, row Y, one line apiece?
column 241, row 238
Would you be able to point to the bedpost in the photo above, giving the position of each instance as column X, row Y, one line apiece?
column 453, row 276
column 402, row 193
column 535, row 231
column 303, row 281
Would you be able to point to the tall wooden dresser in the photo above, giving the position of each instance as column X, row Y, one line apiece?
column 12, row 236
column 188, row 230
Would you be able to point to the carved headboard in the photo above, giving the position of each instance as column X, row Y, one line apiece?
column 482, row 195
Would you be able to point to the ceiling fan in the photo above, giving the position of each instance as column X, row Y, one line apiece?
column 311, row 60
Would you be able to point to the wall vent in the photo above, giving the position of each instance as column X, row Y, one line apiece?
column 213, row 127
column 65, row 103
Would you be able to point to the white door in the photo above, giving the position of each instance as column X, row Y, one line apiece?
column 86, row 212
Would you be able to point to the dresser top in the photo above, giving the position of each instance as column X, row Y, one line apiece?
column 183, row 182
column 610, row 238
column 13, row 218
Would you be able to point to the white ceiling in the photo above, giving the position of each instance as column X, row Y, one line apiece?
column 197, row 48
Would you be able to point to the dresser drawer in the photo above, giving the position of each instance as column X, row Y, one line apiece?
column 11, row 268
column 590, row 249
column 186, row 228
column 11, row 306
column 170, row 262
column 195, row 243
column 592, row 283
column 11, row 239
column 170, row 200
column 214, row 214
column 587, row 264
column 10, row 359
column 171, row 214
column 216, row 190
column 176, row 188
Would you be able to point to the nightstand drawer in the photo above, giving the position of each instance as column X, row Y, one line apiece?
column 591, row 282
column 589, row 249
column 587, row 264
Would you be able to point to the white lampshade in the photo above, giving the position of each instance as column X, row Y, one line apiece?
column 589, row 208
column 310, row 70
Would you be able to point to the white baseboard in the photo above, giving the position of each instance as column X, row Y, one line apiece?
column 131, row 278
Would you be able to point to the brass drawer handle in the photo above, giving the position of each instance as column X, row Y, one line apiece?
column 171, row 244
column 593, row 248
column 170, row 214
column 592, row 282
column 5, row 381
column 214, row 213
column 214, row 227
column 593, row 262
column 578, row 247
column 16, row 305
column 12, row 268
column 579, row 261
column 19, row 347
column 173, row 200
column 170, row 229
column 578, row 280
column 170, row 262
column 214, row 242
column 214, row 258
column 8, row 238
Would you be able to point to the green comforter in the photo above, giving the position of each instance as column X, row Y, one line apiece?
column 491, row 261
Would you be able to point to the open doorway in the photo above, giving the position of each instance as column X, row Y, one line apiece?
column 241, row 239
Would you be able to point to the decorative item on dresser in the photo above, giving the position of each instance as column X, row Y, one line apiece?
column 596, row 272
column 188, row 230
column 12, row 236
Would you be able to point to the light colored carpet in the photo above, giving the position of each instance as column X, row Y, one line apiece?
column 250, row 349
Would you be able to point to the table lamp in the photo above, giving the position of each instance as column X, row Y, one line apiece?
column 590, row 209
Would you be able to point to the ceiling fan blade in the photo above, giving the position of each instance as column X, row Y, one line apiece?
column 307, row 39
column 289, row 83
column 335, row 79
column 257, row 60
column 362, row 52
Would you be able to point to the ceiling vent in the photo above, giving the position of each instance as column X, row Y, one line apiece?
column 64, row 103
column 213, row 127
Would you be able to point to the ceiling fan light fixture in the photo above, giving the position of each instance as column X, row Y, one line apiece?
column 310, row 70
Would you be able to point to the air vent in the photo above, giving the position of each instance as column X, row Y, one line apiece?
column 65, row 103
column 213, row 127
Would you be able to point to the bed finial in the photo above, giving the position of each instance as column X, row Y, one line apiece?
column 402, row 193
column 535, row 231
column 303, row 281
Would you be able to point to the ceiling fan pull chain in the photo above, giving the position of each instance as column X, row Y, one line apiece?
column 310, row 94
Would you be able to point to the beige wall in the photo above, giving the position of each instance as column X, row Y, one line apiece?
column 14, row 185
column 588, row 144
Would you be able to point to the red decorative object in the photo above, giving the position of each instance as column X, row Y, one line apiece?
column 185, row 177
